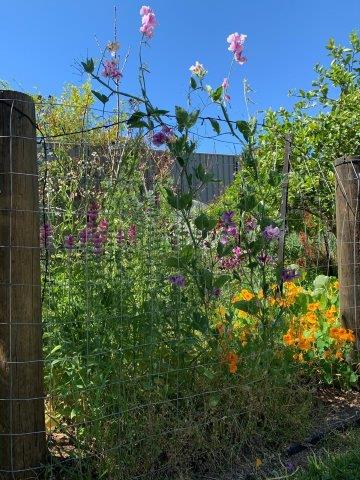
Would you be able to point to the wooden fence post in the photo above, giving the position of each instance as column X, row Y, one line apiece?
column 347, row 172
column 22, row 429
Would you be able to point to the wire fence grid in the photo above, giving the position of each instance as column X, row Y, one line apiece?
column 123, row 354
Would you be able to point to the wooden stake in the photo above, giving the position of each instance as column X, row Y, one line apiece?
column 22, row 429
column 283, row 209
column 347, row 170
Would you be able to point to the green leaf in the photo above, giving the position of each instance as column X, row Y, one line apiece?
column 103, row 98
column 55, row 349
column 206, row 278
column 353, row 378
column 203, row 222
column 217, row 94
column 88, row 65
column 221, row 280
column 181, row 201
column 157, row 112
column 203, row 176
column 200, row 172
column 193, row 83
column 135, row 121
column 244, row 128
column 275, row 178
column 215, row 125
column 223, row 250
column 193, row 117
column 200, row 322
column 250, row 307
column 182, row 117
column 320, row 284
column 173, row 262
column 248, row 203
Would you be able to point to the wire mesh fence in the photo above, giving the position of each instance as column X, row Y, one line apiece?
column 133, row 375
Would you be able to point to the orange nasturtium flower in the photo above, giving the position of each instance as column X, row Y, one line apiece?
column 310, row 317
column 339, row 355
column 330, row 314
column 246, row 295
column 305, row 343
column 233, row 360
column 243, row 295
column 312, row 307
column 342, row 334
column 288, row 338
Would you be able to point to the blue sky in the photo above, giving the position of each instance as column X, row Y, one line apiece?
column 41, row 40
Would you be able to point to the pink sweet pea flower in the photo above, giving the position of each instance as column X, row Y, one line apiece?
column 164, row 136
column 148, row 21
column 236, row 42
column 225, row 86
column 144, row 10
column 111, row 70
column 225, row 83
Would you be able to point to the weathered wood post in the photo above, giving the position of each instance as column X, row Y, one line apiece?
column 22, row 429
column 284, row 208
column 347, row 172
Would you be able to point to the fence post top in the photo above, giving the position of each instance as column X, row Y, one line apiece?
column 347, row 159
column 15, row 95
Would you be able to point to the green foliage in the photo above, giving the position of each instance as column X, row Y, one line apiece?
column 72, row 113
column 324, row 125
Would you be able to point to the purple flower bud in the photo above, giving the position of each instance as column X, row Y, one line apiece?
column 232, row 231
column 224, row 240
column 164, row 136
column 85, row 235
column 92, row 214
column 271, row 233
column 97, row 250
column 103, row 225
column 265, row 259
column 46, row 235
column 289, row 274
column 177, row 280
column 69, row 242
column 227, row 218
column 237, row 252
column 99, row 238
column 250, row 224
column 216, row 292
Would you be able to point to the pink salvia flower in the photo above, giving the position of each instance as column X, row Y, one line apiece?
column 148, row 21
